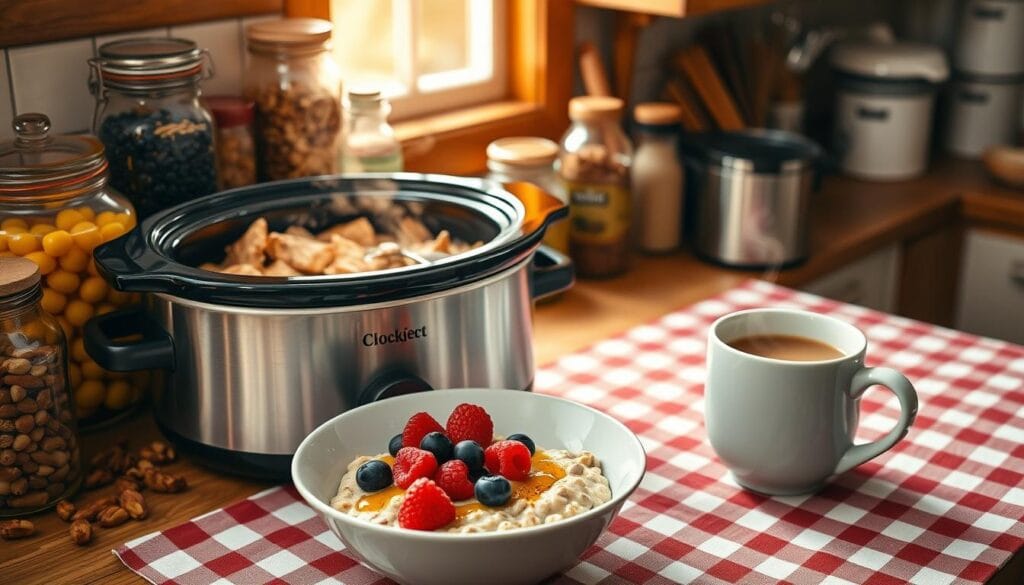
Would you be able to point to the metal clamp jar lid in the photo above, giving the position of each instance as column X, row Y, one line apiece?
column 145, row 64
column 36, row 161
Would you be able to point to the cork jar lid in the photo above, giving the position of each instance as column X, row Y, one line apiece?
column 16, row 276
column 290, row 32
column 523, row 151
column 657, row 114
column 590, row 108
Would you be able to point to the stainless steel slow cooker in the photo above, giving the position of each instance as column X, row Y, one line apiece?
column 251, row 365
column 748, row 197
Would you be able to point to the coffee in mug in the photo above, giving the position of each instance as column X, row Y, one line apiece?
column 782, row 398
column 786, row 347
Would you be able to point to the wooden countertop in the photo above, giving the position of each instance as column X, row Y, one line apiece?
column 850, row 219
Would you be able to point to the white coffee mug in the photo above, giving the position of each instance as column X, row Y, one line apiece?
column 784, row 427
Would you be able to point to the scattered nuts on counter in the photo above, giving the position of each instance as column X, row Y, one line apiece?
column 112, row 516
column 65, row 510
column 98, row 478
column 133, row 503
column 158, row 453
column 164, row 482
column 12, row 529
column 81, row 532
column 91, row 511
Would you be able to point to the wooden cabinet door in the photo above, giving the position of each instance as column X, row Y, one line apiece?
column 992, row 286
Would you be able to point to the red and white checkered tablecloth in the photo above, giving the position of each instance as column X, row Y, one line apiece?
column 946, row 505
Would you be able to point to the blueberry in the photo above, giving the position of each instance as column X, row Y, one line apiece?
column 470, row 453
column 493, row 490
column 373, row 476
column 439, row 445
column 524, row 440
column 476, row 474
column 395, row 444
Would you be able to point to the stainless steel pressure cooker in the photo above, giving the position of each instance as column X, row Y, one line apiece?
column 252, row 364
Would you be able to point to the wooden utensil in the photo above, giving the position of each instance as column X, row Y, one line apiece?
column 722, row 42
column 692, row 117
column 627, row 31
column 595, row 80
column 700, row 72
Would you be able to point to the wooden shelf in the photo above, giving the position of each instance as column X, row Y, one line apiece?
column 676, row 8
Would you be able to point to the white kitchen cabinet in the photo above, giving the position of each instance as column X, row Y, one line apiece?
column 992, row 286
column 868, row 282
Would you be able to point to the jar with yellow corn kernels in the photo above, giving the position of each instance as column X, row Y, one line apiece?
column 55, row 209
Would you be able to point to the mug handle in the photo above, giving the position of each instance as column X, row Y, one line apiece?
column 899, row 385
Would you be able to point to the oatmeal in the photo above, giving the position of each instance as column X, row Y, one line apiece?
column 561, row 484
column 461, row 478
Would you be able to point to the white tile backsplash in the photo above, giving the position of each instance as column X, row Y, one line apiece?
column 6, row 107
column 223, row 38
column 53, row 78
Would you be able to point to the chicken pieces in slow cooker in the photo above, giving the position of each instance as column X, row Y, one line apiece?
column 346, row 248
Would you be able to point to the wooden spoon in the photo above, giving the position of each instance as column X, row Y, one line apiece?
column 1006, row 163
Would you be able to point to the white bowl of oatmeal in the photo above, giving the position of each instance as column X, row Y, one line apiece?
column 564, row 432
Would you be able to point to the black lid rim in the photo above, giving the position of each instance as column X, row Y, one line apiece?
column 144, row 263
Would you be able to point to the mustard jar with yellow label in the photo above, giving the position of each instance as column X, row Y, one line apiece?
column 56, row 207
column 594, row 162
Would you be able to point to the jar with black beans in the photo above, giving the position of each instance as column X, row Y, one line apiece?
column 158, row 137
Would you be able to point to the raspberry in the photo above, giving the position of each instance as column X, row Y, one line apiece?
column 411, row 464
column 425, row 507
column 453, row 478
column 508, row 458
column 469, row 422
column 418, row 426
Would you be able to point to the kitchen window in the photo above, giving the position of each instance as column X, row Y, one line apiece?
column 427, row 56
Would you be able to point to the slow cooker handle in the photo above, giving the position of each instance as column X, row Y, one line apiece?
column 551, row 273
column 154, row 350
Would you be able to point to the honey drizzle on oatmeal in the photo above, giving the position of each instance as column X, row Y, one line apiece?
column 544, row 472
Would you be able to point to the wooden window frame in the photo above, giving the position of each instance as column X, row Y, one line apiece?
column 540, row 55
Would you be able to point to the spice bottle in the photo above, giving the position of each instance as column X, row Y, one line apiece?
column 370, row 145
column 39, row 459
column 56, row 207
column 657, row 178
column 594, row 162
column 158, row 138
column 531, row 159
column 236, row 145
column 297, row 90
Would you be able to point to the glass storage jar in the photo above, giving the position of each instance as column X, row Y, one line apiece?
column 531, row 159
column 39, row 459
column 56, row 207
column 159, row 138
column 594, row 162
column 236, row 145
column 369, row 145
column 296, row 86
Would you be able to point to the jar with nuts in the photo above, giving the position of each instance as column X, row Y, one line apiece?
column 39, row 460
column 236, row 145
column 296, row 86
column 56, row 207
column 594, row 162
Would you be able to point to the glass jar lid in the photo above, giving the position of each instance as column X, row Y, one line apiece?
column 37, row 160
column 147, row 63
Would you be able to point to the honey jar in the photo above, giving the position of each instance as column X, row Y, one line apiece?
column 55, row 209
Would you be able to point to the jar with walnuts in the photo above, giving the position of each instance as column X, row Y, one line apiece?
column 296, row 87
